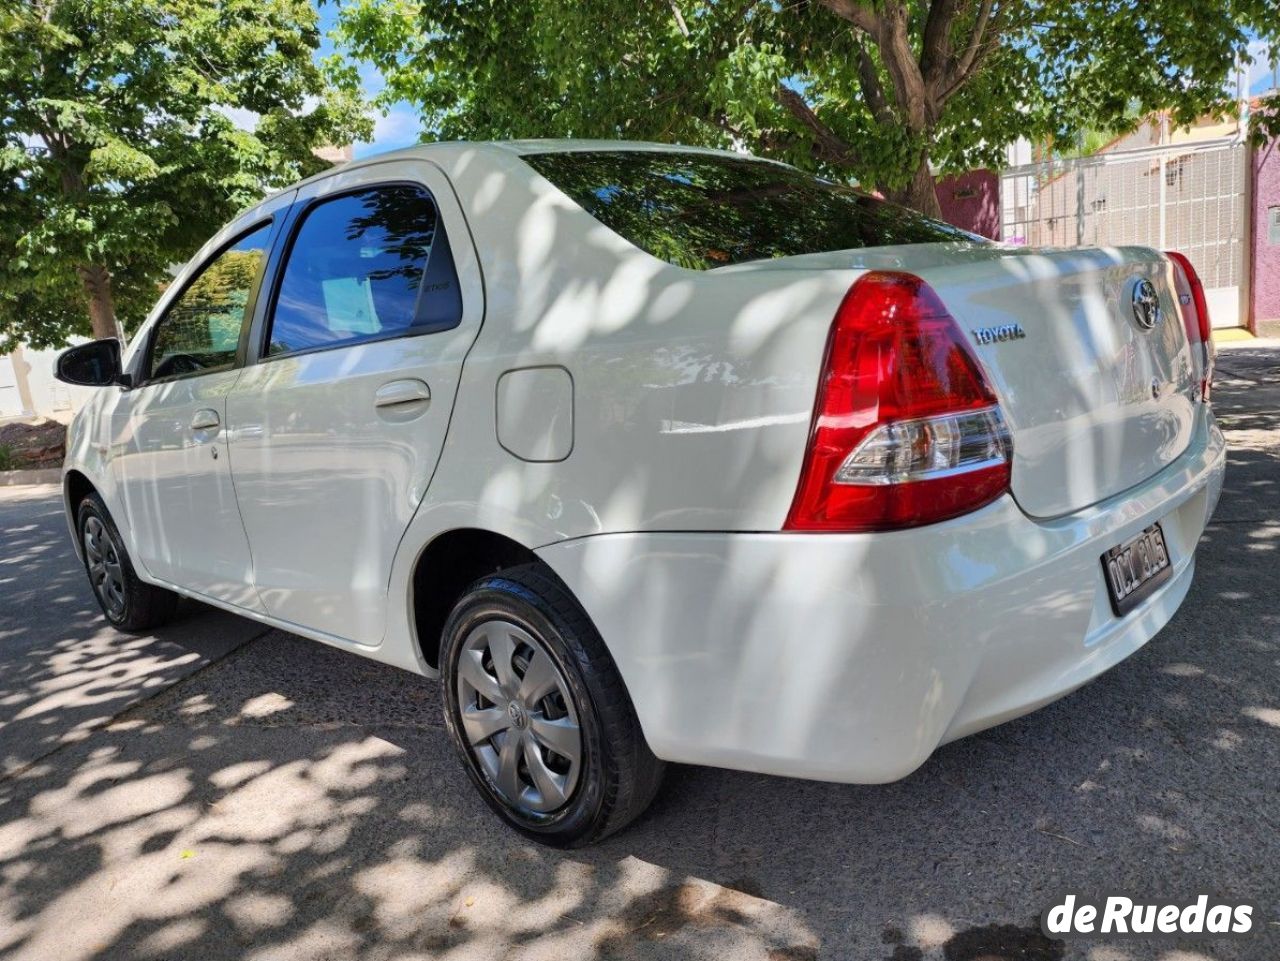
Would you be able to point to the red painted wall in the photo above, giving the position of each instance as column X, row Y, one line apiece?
column 972, row 201
column 1266, row 255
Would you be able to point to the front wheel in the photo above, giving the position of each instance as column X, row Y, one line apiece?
column 129, row 603
column 539, row 714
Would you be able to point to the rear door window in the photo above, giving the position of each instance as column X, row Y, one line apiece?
column 708, row 210
column 367, row 265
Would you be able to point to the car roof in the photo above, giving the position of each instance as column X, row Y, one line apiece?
column 568, row 146
column 520, row 148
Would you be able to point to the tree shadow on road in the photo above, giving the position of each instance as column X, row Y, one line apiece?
column 65, row 671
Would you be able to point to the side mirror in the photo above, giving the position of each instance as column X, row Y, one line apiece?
column 95, row 364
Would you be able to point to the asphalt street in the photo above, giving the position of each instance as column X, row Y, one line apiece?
column 221, row 791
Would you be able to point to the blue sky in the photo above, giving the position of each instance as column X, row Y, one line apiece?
column 1261, row 75
column 400, row 127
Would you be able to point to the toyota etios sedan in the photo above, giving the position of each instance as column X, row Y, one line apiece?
column 656, row 454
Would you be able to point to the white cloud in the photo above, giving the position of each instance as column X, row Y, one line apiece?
column 371, row 79
column 242, row 118
column 399, row 128
column 1261, row 73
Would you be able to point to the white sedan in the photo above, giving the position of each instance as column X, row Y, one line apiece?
column 656, row 454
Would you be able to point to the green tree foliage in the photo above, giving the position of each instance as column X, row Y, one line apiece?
column 117, row 155
column 873, row 90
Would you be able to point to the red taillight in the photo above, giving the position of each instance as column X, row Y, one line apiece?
column 906, row 430
column 1195, row 315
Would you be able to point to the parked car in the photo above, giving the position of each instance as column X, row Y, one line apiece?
column 656, row 454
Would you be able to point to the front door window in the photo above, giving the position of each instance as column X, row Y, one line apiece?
column 201, row 329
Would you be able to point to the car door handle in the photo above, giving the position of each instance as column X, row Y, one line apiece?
column 205, row 419
column 402, row 393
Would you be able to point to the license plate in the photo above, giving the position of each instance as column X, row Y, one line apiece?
column 1136, row 568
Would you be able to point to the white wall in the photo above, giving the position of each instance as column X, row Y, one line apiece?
column 28, row 387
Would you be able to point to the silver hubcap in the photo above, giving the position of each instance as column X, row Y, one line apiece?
column 104, row 566
column 518, row 717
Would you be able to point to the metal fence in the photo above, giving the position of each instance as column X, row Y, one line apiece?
column 1186, row 197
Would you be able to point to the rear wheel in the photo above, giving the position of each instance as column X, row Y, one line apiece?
column 126, row 601
column 539, row 714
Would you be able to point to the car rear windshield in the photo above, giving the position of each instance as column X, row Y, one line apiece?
column 705, row 210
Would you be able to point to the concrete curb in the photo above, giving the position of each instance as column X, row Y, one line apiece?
column 20, row 478
column 1254, row 343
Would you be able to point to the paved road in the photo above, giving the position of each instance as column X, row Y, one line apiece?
column 220, row 792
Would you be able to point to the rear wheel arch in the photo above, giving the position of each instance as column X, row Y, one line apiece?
column 552, row 742
column 449, row 564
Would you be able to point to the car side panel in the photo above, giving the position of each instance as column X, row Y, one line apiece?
column 327, row 481
column 176, row 485
column 851, row 657
column 98, row 436
column 692, row 391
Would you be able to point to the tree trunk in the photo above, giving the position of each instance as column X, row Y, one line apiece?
column 102, row 306
column 921, row 193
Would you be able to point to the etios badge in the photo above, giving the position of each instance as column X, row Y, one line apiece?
column 1146, row 304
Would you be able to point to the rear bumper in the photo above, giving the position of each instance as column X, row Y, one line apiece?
column 852, row 657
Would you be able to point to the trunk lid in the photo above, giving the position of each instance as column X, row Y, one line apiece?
column 1096, row 401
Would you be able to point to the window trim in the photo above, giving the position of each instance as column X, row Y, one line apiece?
column 299, row 210
column 250, row 306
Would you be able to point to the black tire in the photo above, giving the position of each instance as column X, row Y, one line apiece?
column 617, row 775
column 141, row 606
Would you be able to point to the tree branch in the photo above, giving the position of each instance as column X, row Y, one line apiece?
column 935, row 47
column 889, row 28
column 827, row 144
column 860, row 15
column 966, row 60
column 769, row 142
column 984, row 39
column 918, row 110
column 675, row 12
column 872, row 91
